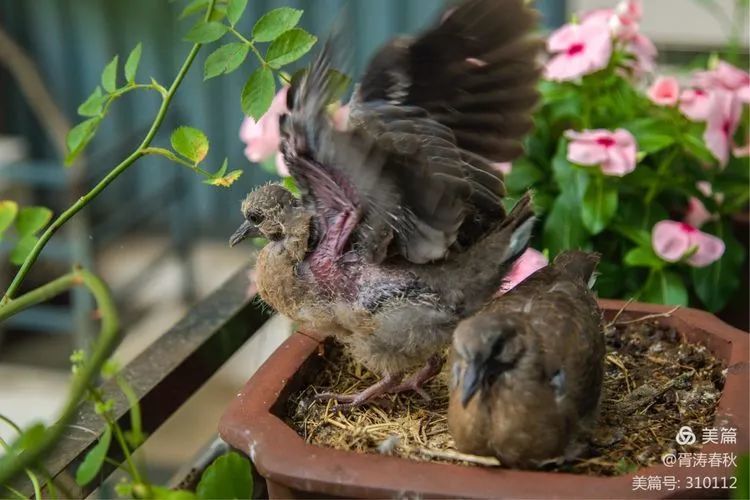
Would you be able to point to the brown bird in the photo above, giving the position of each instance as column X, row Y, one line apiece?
column 528, row 368
column 399, row 231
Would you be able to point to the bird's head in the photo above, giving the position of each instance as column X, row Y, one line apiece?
column 486, row 346
column 265, row 211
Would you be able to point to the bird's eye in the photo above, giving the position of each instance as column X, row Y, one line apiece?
column 255, row 218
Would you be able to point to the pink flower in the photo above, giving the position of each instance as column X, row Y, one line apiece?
column 644, row 51
column 630, row 10
column 614, row 152
column 707, row 190
column 672, row 241
column 528, row 263
column 665, row 91
column 725, row 77
column 581, row 49
column 722, row 123
column 625, row 21
column 695, row 104
column 696, row 214
column 262, row 137
column 504, row 167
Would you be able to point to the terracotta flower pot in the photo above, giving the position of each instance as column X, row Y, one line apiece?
column 294, row 468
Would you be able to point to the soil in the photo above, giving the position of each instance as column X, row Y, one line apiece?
column 654, row 384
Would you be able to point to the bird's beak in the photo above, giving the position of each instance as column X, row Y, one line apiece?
column 470, row 383
column 246, row 230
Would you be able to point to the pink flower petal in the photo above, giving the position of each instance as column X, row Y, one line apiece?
column 528, row 263
column 504, row 167
column 695, row 104
column 710, row 249
column 585, row 153
column 670, row 240
column 696, row 214
column 665, row 91
column 262, row 137
column 705, row 188
column 722, row 123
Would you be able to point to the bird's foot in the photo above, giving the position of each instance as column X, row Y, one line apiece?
column 385, row 386
column 425, row 374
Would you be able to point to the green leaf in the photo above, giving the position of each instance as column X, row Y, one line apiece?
column 258, row 93
column 92, row 106
column 227, row 477
column 697, row 148
column 94, row 459
column 650, row 134
column 743, row 478
column 643, row 257
column 224, row 180
column 289, row 46
column 716, row 284
column 193, row 8
column 665, row 287
column 163, row 493
column 206, row 32
column 291, row 186
column 274, row 23
column 79, row 137
column 109, row 75
column 523, row 176
column 225, row 59
column 190, row 143
column 564, row 229
column 8, row 212
column 599, row 205
column 235, row 8
column 131, row 65
column 570, row 179
column 32, row 219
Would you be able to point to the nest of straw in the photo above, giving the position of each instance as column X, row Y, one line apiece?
column 654, row 384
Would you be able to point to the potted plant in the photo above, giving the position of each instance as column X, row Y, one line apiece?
column 255, row 423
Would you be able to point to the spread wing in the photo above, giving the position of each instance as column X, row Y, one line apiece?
column 412, row 173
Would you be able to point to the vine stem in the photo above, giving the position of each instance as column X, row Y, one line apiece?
column 12, row 464
column 111, row 176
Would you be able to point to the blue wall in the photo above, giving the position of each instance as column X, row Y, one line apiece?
column 72, row 40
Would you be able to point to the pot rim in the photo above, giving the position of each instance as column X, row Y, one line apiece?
column 281, row 455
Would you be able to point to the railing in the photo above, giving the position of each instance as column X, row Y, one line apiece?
column 163, row 376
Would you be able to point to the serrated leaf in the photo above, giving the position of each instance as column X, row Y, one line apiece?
column 193, row 8
column 8, row 212
column 225, row 180
column 225, row 59
column 131, row 65
column 92, row 106
column 275, row 22
column 23, row 248
column 190, row 143
column 94, row 459
column 258, row 93
column 229, row 476
column 289, row 46
column 665, row 287
column 30, row 220
column 235, row 9
column 206, row 32
column 109, row 75
column 78, row 138
column 643, row 257
column 599, row 206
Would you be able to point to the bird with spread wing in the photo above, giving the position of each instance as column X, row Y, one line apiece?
column 399, row 231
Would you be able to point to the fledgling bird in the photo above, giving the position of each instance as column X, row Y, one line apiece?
column 399, row 231
column 528, row 368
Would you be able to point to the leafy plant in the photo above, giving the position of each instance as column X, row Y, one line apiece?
column 681, row 186
column 230, row 475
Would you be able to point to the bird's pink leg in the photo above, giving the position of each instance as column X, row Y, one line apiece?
column 424, row 375
column 384, row 386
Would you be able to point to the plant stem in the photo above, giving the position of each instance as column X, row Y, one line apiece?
column 250, row 44
column 111, row 176
column 10, row 465
column 173, row 157
column 32, row 477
